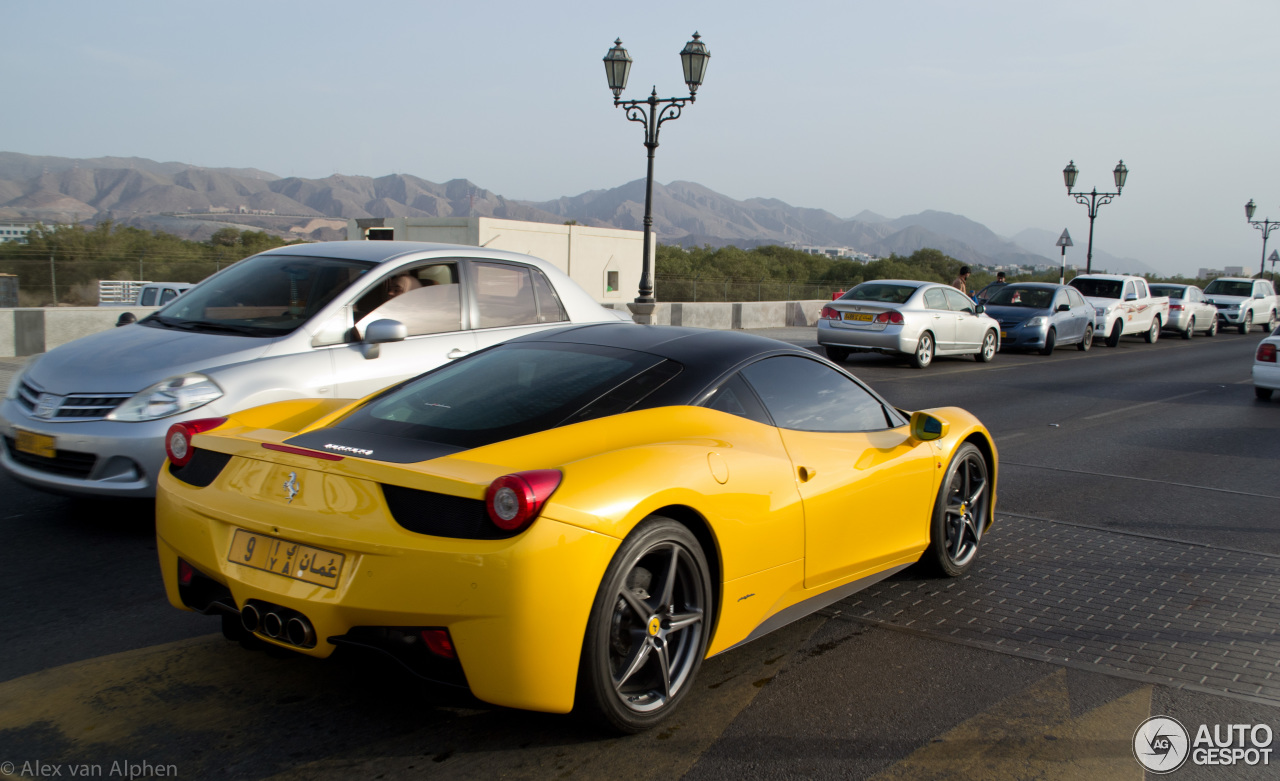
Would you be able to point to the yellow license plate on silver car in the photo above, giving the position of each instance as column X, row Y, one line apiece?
column 34, row 444
column 859, row 317
column 290, row 559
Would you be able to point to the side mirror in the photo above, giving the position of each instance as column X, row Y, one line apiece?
column 926, row 428
column 1064, row 307
column 979, row 309
column 1131, row 297
column 380, row 332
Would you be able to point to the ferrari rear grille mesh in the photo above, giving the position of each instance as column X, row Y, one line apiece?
column 441, row 515
column 65, row 462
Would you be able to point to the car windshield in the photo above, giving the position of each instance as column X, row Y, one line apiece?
column 1098, row 288
column 876, row 291
column 266, row 295
column 1223, row 287
column 1172, row 291
column 513, row 391
column 1028, row 297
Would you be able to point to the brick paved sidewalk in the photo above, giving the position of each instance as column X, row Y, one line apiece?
column 1197, row 617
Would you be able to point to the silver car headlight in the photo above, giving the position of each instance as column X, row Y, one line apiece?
column 168, row 397
column 1034, row 322
column 11, row 392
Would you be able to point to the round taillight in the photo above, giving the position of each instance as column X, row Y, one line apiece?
column 514, row 500
column 177, row 442
column 829, row 314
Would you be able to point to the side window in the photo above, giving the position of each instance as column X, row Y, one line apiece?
column 550, row 310
column 504, row 295
column 1076, row 298
column 957, row 301
column 806, row 395
column 168, row 295
column 934, row 299
column 736, row 398
column 427, row 299
column 1128, row 291
column 148, row 297
column 1141, row 287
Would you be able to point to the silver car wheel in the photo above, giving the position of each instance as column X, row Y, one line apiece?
column 988, row 348
column 924, row 351
column 1191, row 329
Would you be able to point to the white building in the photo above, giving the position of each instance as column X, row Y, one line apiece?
column 834, row 252
column 11, row 230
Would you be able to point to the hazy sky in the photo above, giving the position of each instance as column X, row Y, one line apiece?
column 967, row 107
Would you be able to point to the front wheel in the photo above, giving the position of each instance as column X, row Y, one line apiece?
column 1113, row 339
column 837, row 354
column 648, row 629
column 960, row 513
column 1050, row 339
column 1271, row 322
column 1246, row 323
column 923, row 355
column 1213, row 328
column 1191, row 329
column 1153, row 333
column 989, row 347
column 1087, row 341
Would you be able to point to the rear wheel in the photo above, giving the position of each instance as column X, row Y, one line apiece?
column 837, row 354
column 1191, row 329
column 1271, row 321
column 648, row 629
column 989, row 347
column 1113, row 340
column 1087, row 341
column 924, row 351
column 1263, row 394
column 1246, row 323
column 960, row 513
column 1213, row 328
column 1153, row 333
column 1049, row 340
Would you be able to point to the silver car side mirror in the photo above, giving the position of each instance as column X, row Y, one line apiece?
column 379, row 332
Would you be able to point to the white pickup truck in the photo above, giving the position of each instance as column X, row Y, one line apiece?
column 1244, row 302
column 1123, row 305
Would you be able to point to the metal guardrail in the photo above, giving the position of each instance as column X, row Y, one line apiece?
column 699, row 289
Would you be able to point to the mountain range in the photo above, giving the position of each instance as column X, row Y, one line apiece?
column 194, row 201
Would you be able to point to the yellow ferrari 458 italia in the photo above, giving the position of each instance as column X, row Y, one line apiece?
column 570, row 520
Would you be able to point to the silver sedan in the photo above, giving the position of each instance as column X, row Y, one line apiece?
column 1189, row 310
column 907, row 317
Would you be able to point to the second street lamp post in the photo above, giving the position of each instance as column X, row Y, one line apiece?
column 651, row 113
column 1093, row 200
column 1266, row 226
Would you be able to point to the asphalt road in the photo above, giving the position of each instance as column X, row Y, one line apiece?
column 1137, row 503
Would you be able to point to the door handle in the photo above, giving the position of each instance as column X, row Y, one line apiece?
column 457, row 353
column 807, row 473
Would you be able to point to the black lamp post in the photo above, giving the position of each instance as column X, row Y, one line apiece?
column 617, row 66
column 1266, row 226
column 1093, row 200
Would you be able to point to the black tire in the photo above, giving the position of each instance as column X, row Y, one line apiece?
column 1246, row 323
column 989, row 348
column 1050, row 339
column 923, row 356
column 837, row 354
column 1263, row 394
column 1113, row 339
column 1087, row 341
column 1191, row 329
column 1153, row 333
column 960, row 514
column 644, row 644
column 1213, row 328
column 1271, row 322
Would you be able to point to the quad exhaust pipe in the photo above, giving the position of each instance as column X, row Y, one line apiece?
column 278, row 623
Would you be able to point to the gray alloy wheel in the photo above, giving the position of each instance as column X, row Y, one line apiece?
column 1191, row 329
column 1153, row 333
column 1263, row 394
column 924, row 351
column 960, row 513
column 1113, row 340
column 988, row 350
column 1246, row 323
column 1271, row 322
column 648, row 629
column 1213, row 328
column 1050, row 339
column 837, row 354
column 1087, row 341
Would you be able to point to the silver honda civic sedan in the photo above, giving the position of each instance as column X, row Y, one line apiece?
column 336, row 320
column 910, row 318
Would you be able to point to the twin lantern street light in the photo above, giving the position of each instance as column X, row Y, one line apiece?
column 617, row 66
column 1093, row 200
column 1266, row 226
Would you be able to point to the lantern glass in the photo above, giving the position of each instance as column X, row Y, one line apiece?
column 1249, row 209
column 1120, row 173
column 694, row 57
column 1070, row 173
column 617, row 67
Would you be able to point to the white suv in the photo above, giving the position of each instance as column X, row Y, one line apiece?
column 1244, row 303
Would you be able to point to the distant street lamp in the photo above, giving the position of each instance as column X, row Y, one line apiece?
column 1064, row 241
column 1266, row 226
column 617, row 66
column 1093, row 200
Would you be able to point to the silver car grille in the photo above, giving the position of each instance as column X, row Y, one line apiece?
column 77, row 406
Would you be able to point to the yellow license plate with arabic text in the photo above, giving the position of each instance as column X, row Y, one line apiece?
column 35, row 444
column 859, row 317
column 290, row 559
